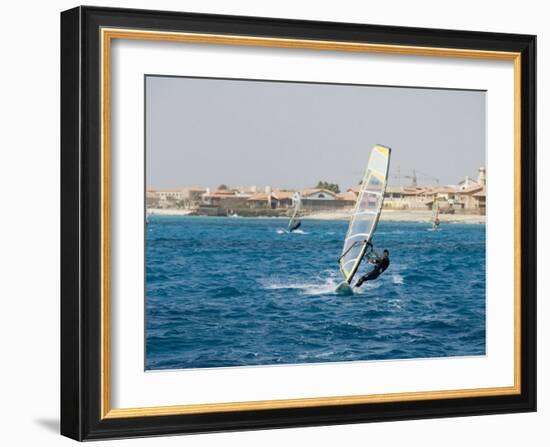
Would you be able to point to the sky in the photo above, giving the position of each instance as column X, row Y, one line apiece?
column 207, row 132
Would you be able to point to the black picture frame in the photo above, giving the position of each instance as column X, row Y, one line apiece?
column 81, row 208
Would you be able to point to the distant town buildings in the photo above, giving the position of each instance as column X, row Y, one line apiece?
column 271, row 199
column 467, row 196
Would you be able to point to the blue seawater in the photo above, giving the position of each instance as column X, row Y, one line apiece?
column 240, row 291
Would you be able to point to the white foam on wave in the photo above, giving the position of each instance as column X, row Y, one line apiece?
column 282, row 231
column 319, row 355
column 396, row 303
column 323, row 286
column 397, row 278
column 326, row 288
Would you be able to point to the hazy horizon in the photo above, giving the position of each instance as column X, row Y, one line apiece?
column 207, row 132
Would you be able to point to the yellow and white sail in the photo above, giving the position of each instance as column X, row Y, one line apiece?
column 367, row 211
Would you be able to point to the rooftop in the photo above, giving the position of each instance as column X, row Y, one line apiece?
column 481, row 193
column 348, row 195
column 310, row 191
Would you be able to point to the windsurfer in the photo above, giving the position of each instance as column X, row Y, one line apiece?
column 381, row 263
column 294, row 222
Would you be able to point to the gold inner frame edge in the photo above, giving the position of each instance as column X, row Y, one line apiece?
column 106, row 36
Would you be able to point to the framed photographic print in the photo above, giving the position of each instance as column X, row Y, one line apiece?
column 276, row 223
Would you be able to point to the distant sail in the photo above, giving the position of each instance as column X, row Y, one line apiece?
column 367, row 211
column 294, row 222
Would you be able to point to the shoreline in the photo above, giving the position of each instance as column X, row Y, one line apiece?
column 405, row 216
column 386, row 216
column 168, row 212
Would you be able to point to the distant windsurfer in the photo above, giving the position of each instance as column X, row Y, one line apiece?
column 294, row 222
column 435, row 214
column 381, row 263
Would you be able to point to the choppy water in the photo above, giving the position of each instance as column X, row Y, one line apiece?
column 239, row 291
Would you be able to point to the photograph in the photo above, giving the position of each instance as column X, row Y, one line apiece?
column 295, row 223
column 273, row 221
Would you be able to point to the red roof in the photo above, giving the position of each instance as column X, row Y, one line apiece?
column 442, row 190
column 260, row 196
column 218, row 195
column 406, row 190
column 281, row 195
column 310, row 191
column 348, row 195
column 470, row 190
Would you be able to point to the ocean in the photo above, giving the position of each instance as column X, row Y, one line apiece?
column 233, row 291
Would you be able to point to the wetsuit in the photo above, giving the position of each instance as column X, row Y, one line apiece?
column 381, row 265
column 295, row 226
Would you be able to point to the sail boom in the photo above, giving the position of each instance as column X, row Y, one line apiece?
column 355, row 236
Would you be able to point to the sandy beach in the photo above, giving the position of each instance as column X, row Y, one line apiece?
column 168, row 212
column 403, row 216
column 387, row 215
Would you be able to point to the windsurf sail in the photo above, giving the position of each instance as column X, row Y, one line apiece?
column 366, row 213
column 294, row 222
column 435, row 213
